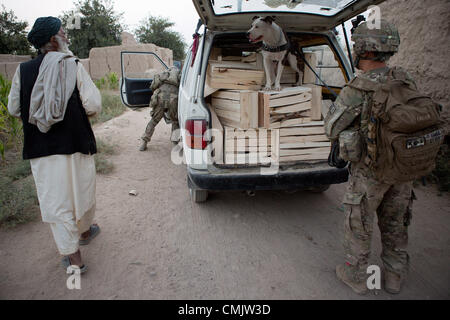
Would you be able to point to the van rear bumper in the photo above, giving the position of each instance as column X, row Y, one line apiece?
column 205, row 180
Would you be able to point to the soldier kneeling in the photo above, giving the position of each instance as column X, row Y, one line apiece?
column 164, row 104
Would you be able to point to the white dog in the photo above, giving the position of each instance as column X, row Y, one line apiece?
column 276, row 51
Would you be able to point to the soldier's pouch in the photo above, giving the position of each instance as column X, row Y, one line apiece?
column 350, row 145
column 353, row 209
column 339, row 118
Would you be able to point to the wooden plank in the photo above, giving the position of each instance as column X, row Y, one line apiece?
column 226, row 104
column 231, row 58
column 228, row 122
column 241, row 143
column 229, row 115
column 285, row 101
column 208, row 90
column 248, row 142
column 303, row 145
column 264, row 110
column 307, row 157
column 316, row 102
column 303, row 139
column 301, row 131
column 231, row 65
column 298, row 152
column 226, row 78
column 290, row 123
column 309, row 124
column 249, row 109
column 287, row 91
column 231, row 133
column 228, row 94
column 303, row 106
column 308, row 75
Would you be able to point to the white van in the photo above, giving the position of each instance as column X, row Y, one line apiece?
column 310, row 25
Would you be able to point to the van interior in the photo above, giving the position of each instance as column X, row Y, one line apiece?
column 259, row 127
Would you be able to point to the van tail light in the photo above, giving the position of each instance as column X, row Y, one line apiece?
column 195, row 134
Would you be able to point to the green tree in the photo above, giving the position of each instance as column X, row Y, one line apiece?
column 13, row 37
column 156, row 30
column 100, row 26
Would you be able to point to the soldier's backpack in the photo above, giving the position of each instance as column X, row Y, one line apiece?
column 405, row 129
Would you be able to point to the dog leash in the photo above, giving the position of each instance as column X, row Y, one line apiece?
column 315, row 73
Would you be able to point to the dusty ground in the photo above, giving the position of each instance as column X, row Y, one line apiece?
column 160, row 245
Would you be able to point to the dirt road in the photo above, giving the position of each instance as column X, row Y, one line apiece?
column 160, row 245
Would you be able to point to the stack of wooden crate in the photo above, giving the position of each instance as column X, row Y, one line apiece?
column 297, row 112
column 261, row 127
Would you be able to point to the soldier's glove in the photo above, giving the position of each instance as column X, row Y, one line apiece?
column 333, row 159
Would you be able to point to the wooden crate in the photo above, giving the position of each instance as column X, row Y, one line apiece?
column 287, row 104
column 237, row 109
column 234, row 75
column 304, row 142
column 253, row 146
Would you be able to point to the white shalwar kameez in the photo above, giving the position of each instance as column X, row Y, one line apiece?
column 65, row 183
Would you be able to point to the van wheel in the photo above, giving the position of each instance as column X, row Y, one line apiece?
column 199, row 196
column 320, row 189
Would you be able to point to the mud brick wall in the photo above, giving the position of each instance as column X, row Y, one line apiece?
column 424, row 28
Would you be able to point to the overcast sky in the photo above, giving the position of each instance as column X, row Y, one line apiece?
column 182, row 12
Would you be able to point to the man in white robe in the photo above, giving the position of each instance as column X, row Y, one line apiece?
column 62, row 151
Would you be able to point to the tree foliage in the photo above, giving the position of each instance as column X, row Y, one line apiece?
column 100, row 26
column 156, row 30
column 13, row 37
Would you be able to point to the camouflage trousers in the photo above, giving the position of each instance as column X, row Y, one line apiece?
column 159, row 108
column 392, row 203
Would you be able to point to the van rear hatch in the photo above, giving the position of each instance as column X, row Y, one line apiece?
column 306, row 15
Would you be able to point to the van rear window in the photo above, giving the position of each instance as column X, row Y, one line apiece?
column 319, row 7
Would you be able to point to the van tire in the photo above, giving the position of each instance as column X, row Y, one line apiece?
column 199, row 196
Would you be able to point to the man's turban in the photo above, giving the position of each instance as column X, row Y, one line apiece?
column 44, row 28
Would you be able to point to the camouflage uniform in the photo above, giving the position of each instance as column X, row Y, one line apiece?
column 164, row 102
column 367, row 197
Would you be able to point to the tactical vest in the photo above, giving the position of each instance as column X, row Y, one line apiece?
column 72, row 135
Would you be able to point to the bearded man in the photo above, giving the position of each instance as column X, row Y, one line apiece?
column 53, row 95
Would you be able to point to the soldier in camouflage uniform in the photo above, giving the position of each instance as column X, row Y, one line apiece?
column 365, row 197
column 164, row 103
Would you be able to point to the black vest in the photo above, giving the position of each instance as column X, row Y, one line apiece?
column 72, row 135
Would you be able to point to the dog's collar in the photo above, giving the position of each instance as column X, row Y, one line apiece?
column 284, row 47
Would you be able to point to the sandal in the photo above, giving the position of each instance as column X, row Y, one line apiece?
column 95, row 230
column 66, row 264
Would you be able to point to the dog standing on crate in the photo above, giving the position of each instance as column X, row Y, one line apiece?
column 276, row 50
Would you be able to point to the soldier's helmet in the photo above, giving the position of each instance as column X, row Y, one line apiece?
column 368, row 38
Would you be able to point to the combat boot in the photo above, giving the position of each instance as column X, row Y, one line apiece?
column 143, row 145
column 392, row 282
column 343, row 272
